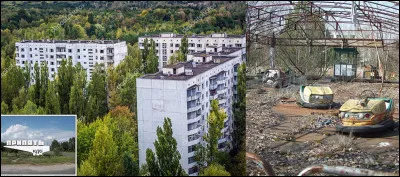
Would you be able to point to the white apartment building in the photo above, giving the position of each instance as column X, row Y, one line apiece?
column 183, row 92
column 85, row 52
column 168, row 43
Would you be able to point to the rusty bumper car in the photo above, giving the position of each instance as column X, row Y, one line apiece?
column 315, row 97
column 366, row 115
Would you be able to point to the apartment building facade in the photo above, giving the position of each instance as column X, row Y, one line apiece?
column 168, row 43
column 85, row 52
column 183, row 92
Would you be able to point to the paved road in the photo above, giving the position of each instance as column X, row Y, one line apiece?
column 38, row 169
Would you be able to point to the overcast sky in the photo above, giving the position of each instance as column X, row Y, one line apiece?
column 45, row 128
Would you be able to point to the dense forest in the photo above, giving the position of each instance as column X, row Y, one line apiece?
column 106, row 105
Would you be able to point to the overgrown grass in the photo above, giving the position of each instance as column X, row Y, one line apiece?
column 18, row 158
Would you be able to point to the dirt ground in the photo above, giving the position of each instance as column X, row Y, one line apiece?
column 291, row 138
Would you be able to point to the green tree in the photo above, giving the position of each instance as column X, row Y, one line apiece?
column 86, row 169
column 52, row 103
column 127, row 91
column 145, row 52
column 92, row 109
column 44, row 83
column 152, row 59
column 65, row 78
column 214, row 170
column 239, row 108
column 12, row 80
column 27, row 75
column 118, row 34
column 64, row 146
column 29, row 108
column 78, row 32
column 184, row 47
column 37, row 83
column 176, row 58
column 97, row 90
column 71, row 144
column 54, row 145
column 78, row 97
column 215, row 121
column 19, row 101
column 131, row 167
column 86, row 135
column 104, row 156
column 4, row 108
column 167, row 161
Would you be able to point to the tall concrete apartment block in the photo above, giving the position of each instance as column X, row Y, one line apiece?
column 87, row 53
column 168, row 43
column 183, row 92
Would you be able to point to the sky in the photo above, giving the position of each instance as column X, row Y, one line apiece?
column 45, row 128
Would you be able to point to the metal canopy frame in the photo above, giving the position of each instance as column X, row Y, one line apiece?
column 380, row 19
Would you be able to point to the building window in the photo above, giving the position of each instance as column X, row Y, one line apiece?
column 192, row 148
column 69, row 50
column 79, row 57
column 22, row 49
column 171, row 45
column 193, row 170
column 22, row 56
column 52, row 69
column 172, row 51
column 101, row 51
column 31, row 55
column 30, row 49
column 78, row 50
column 164, row 58
column 198, row 45
column 176, row 45
column 52, row 63
column 191, row 160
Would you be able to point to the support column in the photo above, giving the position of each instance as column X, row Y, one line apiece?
column 272, row 51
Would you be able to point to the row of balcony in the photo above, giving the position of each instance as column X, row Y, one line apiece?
column 194, row 108
column 197, row 129
column 194, row 97
column 194, row 137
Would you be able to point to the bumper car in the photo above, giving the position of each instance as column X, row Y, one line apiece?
column 315, row 97
column 366, row 115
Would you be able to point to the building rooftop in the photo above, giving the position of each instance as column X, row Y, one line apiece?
column 197, row 68
column 73, row 41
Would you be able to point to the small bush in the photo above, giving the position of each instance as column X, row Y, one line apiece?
column 24, row 154
column 48, row 154
column 57, row 151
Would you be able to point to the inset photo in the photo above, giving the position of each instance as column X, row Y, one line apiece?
column 38, row 145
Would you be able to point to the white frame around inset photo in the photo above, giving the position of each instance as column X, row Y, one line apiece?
column 41, row 147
